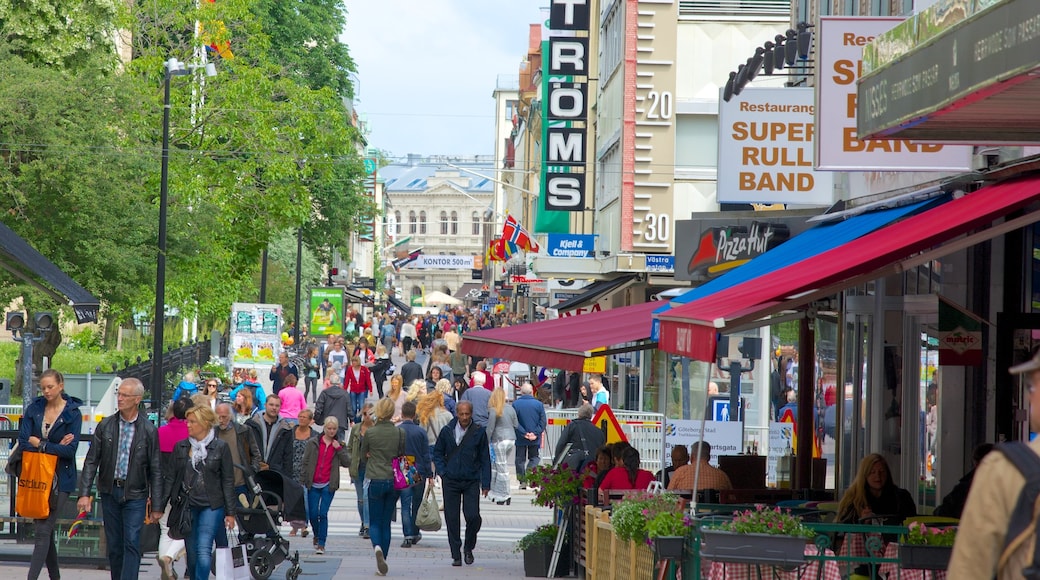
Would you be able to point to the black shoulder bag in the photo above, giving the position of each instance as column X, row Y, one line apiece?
column 179, row 521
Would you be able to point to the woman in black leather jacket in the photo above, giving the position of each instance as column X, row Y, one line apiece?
column 202, row 468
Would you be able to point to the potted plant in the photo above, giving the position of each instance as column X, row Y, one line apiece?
column 630, row 516
column 764, row 535
column 537, row 548
column 926, row 548
column 555, row 487
column 667, row 532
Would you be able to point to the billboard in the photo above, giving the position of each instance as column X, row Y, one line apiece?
column 766, row 149
column 255, row 334
column 326, row 311
column 839, row 51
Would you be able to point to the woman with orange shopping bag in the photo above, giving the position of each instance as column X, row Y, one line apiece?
column 49, row 434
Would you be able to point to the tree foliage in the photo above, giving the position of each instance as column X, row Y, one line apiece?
column 65, row 34
column 263, row 148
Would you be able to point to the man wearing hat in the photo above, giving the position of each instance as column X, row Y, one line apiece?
column 980, row 549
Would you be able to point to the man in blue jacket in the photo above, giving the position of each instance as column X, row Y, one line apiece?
column 417, row 445
column 463, row 460
column 530, row 413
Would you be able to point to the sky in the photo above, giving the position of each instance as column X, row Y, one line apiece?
column 427, row 69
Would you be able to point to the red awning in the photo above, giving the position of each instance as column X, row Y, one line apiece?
column 564, row 343
column 690, row 330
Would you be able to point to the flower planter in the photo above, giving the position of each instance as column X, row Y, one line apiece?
column 921, row 557
column 669, row 547
column 538, row 558
column 757, row 549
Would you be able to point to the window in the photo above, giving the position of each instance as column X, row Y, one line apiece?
column 411, row 222
column 612, row 40
column 397, row 221
column 510, row 109
column 696, row 141
column 476, row 224
column 454, row 223
column 422, row 222
column 444, row 223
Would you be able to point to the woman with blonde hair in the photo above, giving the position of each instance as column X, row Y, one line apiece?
column 874, row 493
column 432, row 415
column 501, row 429
column 416, row 390
column 383, row 441
column 358, row 463
column 322, row 459
column 397, row 395
column 444, row 387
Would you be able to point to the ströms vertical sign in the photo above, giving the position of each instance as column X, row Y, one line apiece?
column 566, row 106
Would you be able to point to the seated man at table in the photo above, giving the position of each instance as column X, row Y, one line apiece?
column 708, row 478
column 873, row 494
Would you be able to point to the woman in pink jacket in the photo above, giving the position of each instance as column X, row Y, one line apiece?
column 293, row 400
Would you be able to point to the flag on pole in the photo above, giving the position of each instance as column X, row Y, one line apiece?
column 501, row 250
column 513, row 232
column 402, row 262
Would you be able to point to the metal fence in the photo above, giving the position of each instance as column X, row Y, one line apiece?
column 186, row 356
column 645, row 431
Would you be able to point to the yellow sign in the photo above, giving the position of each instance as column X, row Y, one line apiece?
column 614, row 432
column 595, row 364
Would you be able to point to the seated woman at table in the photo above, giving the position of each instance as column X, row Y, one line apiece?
column 626, row 476
column 874, row 494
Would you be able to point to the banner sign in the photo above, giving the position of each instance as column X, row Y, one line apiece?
column 725, row 438
column 766, row 149
column 326, row 311
column 571, row 246
column 255, row 334
column 435, row 262
column 839, row 50
column 406, row 259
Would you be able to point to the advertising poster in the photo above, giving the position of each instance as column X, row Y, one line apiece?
column 725, row 438
column 326, row 311
column 255, row 334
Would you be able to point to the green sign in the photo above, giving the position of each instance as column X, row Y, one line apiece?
column 326, row 311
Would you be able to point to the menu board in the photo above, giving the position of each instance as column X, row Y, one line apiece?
column 255, row 333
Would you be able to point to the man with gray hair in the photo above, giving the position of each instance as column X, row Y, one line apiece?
column 530, row 413
column 584, row 439
column 124, row 457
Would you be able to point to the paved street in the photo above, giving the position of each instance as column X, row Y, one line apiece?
column 349, row 556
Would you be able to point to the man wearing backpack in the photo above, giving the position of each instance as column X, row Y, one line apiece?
column 997, row 533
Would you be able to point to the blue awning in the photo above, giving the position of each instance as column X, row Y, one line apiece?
column 813, row 241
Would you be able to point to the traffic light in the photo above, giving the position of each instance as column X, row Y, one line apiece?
column 333, row 272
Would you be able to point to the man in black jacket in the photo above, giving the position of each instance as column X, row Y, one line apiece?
column 124, row 457
column 416, row 444
column 463, row 460
column 584, row 437
column 274, row 437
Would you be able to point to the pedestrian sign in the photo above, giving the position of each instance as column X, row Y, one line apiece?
column 613, row 428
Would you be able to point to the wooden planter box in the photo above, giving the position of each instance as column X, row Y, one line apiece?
column 919, row 557
column 538, row 558
column 756, row 549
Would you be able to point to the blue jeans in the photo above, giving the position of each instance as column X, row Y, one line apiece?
column 357, row 400
column 382, row 501
column 318, row 501
column 526, row 459
column 411, row 499
column 205, row 523
column 123, row 522
column 362, row 496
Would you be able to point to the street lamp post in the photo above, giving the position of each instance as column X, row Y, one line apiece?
column 172, row 68
column 28, row 338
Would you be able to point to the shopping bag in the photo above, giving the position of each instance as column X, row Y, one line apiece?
column 232, row 563
column 405, row 473
column 34, row 485
column 429, row 517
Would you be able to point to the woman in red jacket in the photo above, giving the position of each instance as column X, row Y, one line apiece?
column 357, row 380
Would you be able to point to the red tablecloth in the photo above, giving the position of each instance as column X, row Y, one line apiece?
column 864, row 545
column 811, row 570
column 892, row 571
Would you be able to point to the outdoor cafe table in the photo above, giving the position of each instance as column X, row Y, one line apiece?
column 812, row 569
column 892, row 571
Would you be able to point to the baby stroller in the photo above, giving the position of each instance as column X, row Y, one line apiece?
column 260, row 523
